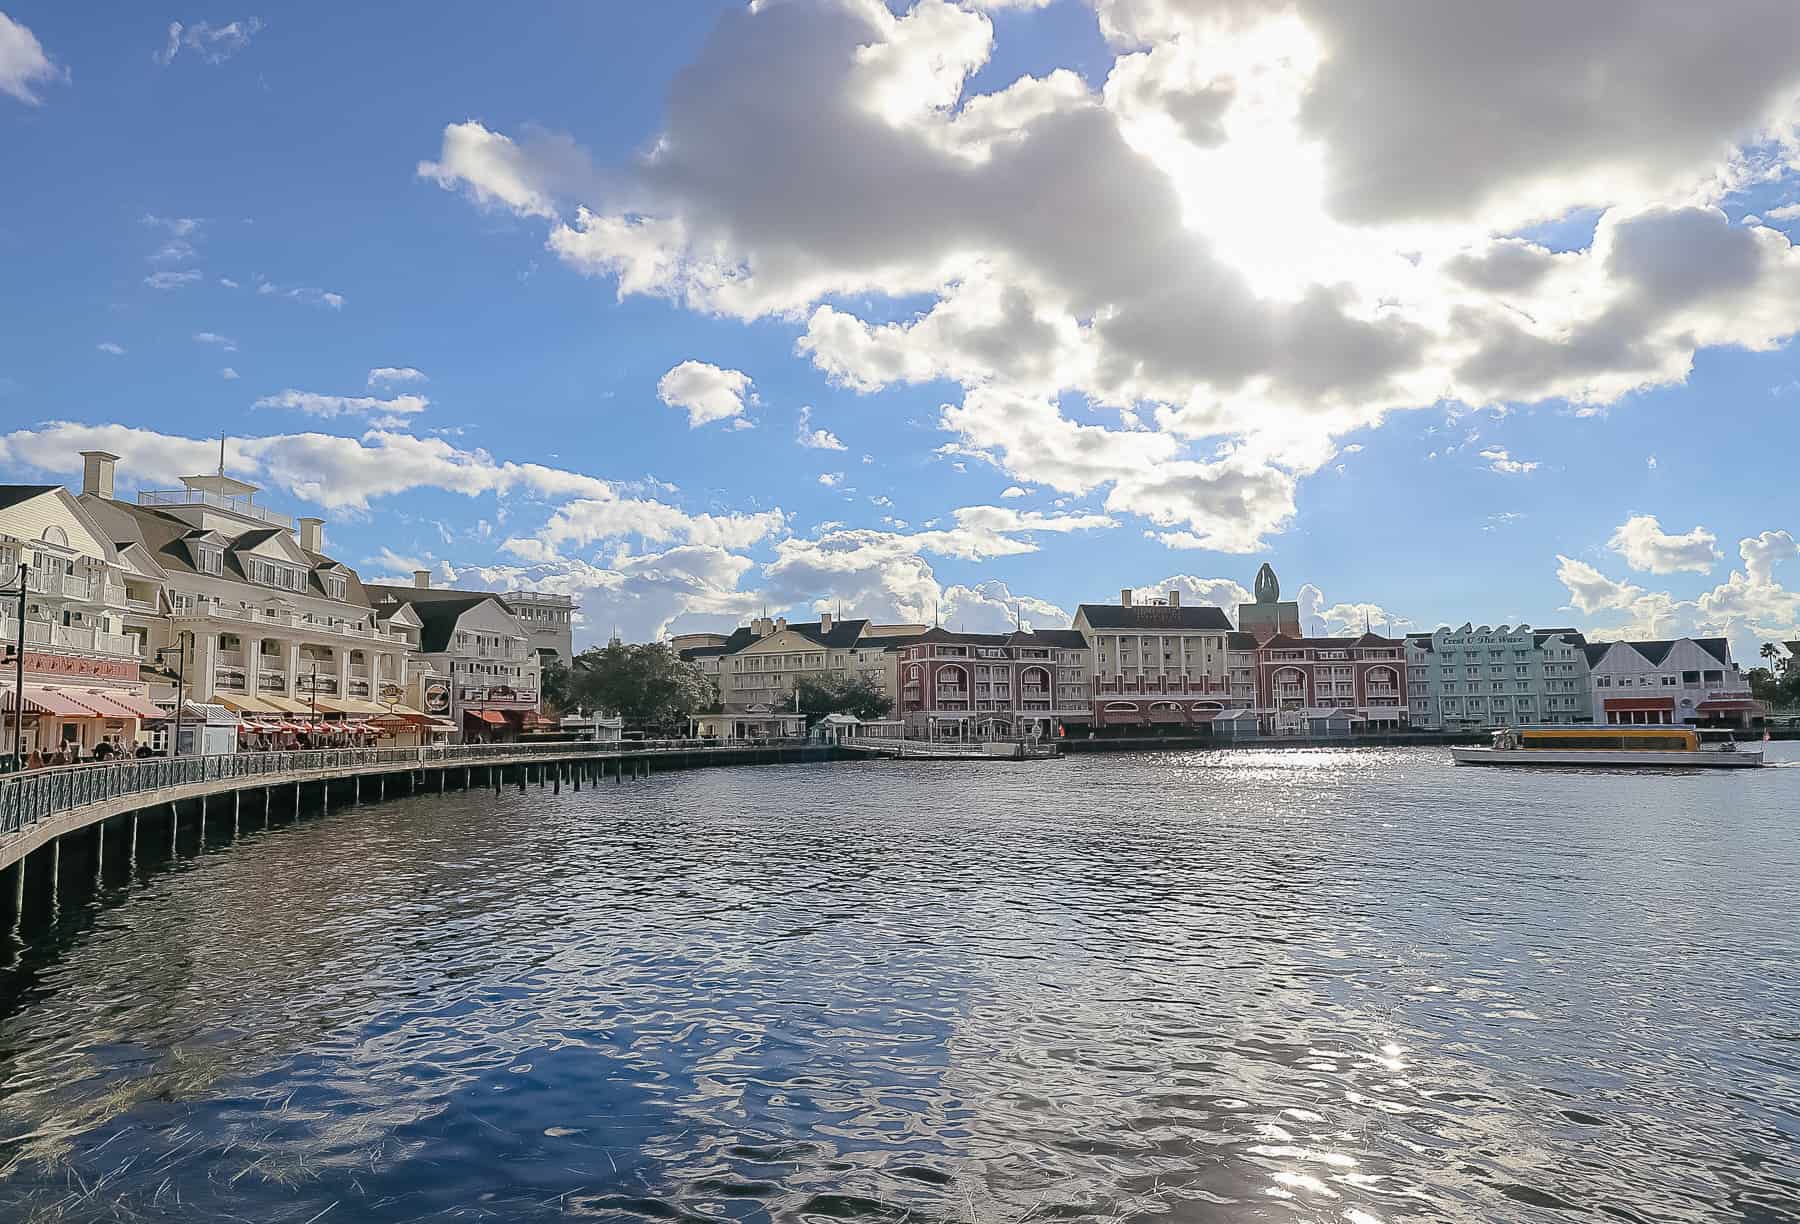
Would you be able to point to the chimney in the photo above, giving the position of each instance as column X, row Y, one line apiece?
column 824, row 623
column 781, row 624
column 1174, row 598
column 312, row 535
column 762, row 627
column 422, row 579
column 97, row 473
column 1125, row 597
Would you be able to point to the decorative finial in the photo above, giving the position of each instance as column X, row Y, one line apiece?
column 1268, row 587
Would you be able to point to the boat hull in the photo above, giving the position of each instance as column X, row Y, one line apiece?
column 1743, row 758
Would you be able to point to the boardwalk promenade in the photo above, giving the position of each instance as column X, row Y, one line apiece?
column 104, row 804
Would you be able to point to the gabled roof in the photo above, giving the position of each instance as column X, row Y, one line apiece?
column 13, row 494
column 1656, row 651
column 1061, row 639
column 1154, row 616
column 1286, row 641
column 844, row 633
column 1572, row 636
column 438, row 610
column 739, row 638
column 164, row 538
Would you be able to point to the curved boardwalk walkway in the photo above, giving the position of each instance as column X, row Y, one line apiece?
column 41, row 809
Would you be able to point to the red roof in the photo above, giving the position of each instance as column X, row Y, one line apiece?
column 1640, row 703
column 1720, row 707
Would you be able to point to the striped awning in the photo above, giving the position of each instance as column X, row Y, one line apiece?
column 243, row 703
column 43, row 699
column 113, row 704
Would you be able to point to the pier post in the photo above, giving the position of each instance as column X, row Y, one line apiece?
column 324, row 796
column 55, row 869
column 99, row 854
column 237, row 810
column 174, row 827
column 441, row 774
column 382, row 783
column 296, row 802
column 575, row 775
column 556, row 781
column 468, row 776
column 356, row 793
column 134, row 824
column 19, row 895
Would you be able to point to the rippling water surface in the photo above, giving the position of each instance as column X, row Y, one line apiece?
column 1255, row 985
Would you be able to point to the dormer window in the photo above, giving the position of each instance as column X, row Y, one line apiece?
column 336, row 586
column 209, row 558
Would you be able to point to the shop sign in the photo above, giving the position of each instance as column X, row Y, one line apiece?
column 437, row 698
column 86, row 669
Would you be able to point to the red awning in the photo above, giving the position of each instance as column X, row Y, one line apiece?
column 45, row 700
column 1729, row 707
column 1640, row 703
column 487, row 716
column 110, row 704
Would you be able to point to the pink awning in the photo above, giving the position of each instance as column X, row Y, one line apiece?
column 109, row 704
column 45, row 700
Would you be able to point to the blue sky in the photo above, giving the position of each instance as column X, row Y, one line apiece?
column 1091, row 294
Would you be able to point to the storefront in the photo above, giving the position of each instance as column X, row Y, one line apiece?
column 76, row 720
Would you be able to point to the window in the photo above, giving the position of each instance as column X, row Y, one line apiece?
column 1602, row 681
column 1668, row 681
column 212, row 560
column 1690, row 677
column 1715, row 677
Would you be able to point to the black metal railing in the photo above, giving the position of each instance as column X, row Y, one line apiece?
column 27, row 798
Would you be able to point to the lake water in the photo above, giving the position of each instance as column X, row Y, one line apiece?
column 1348, row 986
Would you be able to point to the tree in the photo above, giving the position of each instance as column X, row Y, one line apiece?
column 554, row 684
column 1772, row 653
column 648, row 684
column 862, row 698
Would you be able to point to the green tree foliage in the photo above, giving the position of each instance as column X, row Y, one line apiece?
column 646, row 684
column 822, row 695
column 555, row 685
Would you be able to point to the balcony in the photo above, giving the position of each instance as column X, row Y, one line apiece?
column 67, row 586
column 141, row 605
column 241, row 506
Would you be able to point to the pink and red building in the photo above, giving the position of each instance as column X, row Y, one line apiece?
column 1329, row 685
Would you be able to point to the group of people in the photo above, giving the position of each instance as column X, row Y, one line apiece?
column 113, row 748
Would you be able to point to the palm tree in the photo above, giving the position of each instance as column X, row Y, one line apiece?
column 1771, row 652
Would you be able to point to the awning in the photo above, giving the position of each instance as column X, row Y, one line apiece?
column 1640, row 703
column 1731, row 706
column 284, row 705
column 41, row 699
column 244, row 704
column 114, row 705
column 487, row 716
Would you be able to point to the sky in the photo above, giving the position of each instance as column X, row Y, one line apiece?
column 1453, row 312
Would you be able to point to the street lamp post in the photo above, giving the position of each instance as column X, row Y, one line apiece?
column 180, row 685
column 18, row 753
column 312, row 691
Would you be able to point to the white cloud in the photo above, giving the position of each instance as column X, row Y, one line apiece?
column 227, row 282
column 228, row 374
column 1012, row 491
column 107, row 346
column 390, row 375
column 171, row 280
column 1749, row 607
column 23, row 63
column 225, row 343
column 328, row 406
column 831, row 480
column 816, row 439
column 705, row 392
column 1650, row 463
column 1787, row 212
column 304, row 295
column 1500, row 460
column 213, row 44
column 1197, row 592
column 993, row 607
column 1271, row 227
column 1645, row 546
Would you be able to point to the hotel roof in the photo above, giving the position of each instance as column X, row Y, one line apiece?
column 1656, row 651
column 438, row 609
column 1154, row 616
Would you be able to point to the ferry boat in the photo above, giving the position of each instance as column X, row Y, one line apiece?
column 1631, row 747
